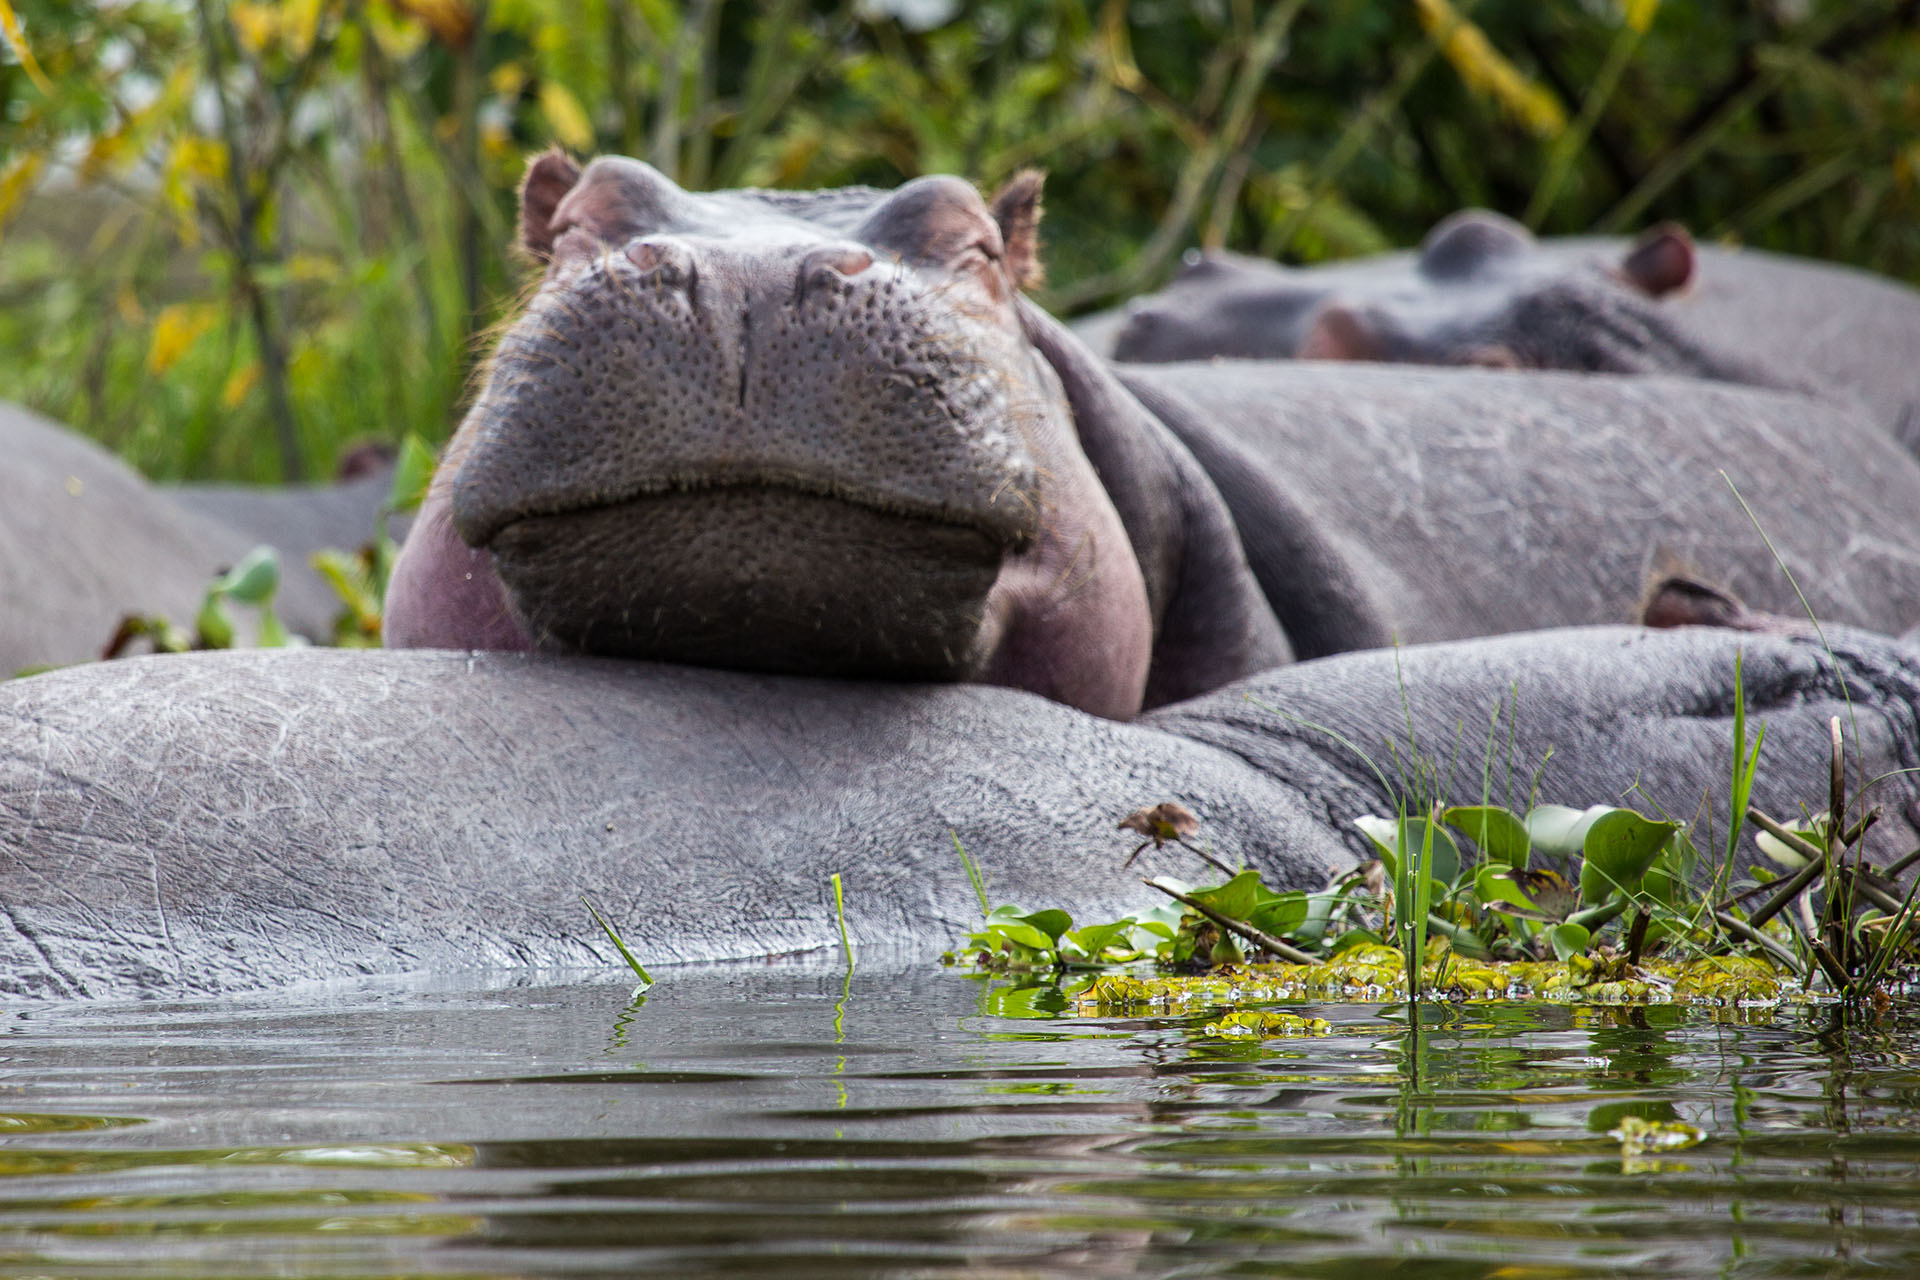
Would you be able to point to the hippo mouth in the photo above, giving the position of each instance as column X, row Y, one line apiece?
column 762, row 574
column 1010, row 518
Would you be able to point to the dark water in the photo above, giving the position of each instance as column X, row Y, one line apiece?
column 756, row 1120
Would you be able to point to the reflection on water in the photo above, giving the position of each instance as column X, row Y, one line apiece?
column 921, row 1121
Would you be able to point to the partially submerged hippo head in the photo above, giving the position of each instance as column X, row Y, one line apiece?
column 1482, row 291
column 796, row 432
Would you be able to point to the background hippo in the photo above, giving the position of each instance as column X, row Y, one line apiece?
column 222, row 821
column 1482, row 290
column 84, row 541
column 820, row 433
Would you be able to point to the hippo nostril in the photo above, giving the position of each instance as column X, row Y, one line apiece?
column 847, row 260
column 829, row 265
column 669, row 262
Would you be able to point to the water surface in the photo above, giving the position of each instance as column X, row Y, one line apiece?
column 917, row 1121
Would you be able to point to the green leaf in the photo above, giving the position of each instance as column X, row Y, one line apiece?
column 1281, row 914
column 1235, row 899
column 1491, row 884
column 411, row 474
column 1382, row 831
column 1499, row 832
column 1557, row 830
column 1620, row 845
column 1052, row 923
column 1569, row 940
column 253, row 580
column 273, row 632
column 1410, row 833
column 1439, row 853
column 347, row 575
column 1093, row 941
column 213, row 623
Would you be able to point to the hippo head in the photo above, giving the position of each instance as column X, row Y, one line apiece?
column 1482, row 291
column 793, row 432
column 1485, row 292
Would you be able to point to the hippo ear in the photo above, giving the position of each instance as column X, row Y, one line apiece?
column 1660, row 261
column 1338, row 332
column 549, row 178
column 1676, row 600
column 1016, row 207
column 1467, row 243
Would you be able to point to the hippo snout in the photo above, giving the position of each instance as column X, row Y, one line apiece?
column 685, row 433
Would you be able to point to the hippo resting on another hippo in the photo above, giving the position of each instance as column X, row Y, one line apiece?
column 221, row 821
column 1482, row 291
column 821, row 433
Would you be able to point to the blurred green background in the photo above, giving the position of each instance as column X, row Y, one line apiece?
column 236, row 237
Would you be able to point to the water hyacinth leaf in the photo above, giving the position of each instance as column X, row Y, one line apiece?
column 1235, row 899
column 1383, row 832
column 1568, row 940
column 411, row 472
column 254, row 579
column 272, row 633
column 1093, row 941
column 1499, row 832
column 1281, row 914
column 1440, row 855
column 1814, row 832
column 1390, row 837
column 1052, row 923
column 213, row 623
column 1557, row 830
column 1493, row 886
column 1620, row 845
column 1667, row 880
column 1010, row 924
column 1312, row 929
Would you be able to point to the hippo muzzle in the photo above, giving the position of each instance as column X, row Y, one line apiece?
column 790, row 458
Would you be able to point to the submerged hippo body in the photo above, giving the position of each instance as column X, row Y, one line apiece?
column 821, row 434
column 217, row 822
column 1482, row 291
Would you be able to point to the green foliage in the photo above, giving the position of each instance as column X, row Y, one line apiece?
column 253, row 582
column 234, row 243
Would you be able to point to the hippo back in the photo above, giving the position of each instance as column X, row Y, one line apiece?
column 1474, row 502
column 84, row 541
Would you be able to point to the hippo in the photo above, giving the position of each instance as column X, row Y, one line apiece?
column 206, row 823
column 972, row 584
column 85, row 541
column 824, row 434
column 1482, row 291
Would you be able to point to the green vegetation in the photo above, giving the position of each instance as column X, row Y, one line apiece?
column 237, row 236
column 1480, row 901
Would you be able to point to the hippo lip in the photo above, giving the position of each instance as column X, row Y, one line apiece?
column 1012, row 523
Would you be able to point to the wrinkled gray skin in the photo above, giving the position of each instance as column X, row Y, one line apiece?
column 217, row 822
column 1482, row 291
column 1458, row 502
column 818, row 433
column 84, row 541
